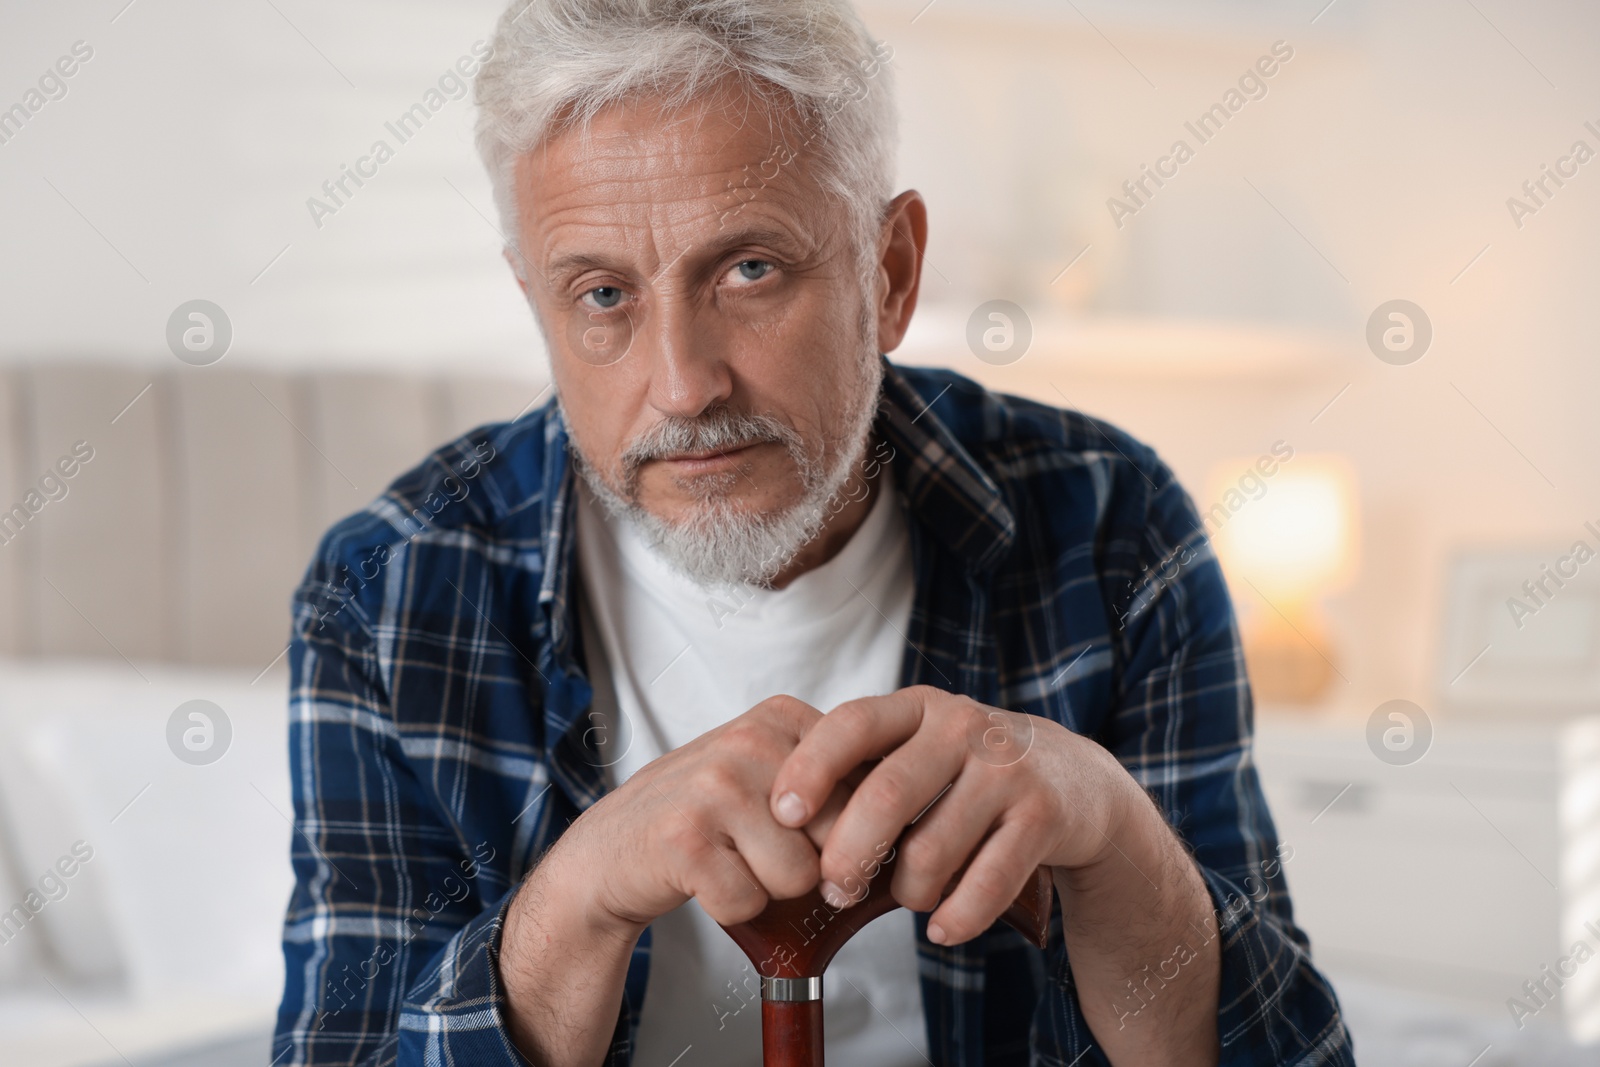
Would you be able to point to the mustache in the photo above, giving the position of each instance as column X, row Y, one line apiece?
column 718, row 429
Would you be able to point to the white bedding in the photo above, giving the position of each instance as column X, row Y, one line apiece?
column 168, row 936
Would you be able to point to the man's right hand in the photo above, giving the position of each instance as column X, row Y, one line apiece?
column 695, row 822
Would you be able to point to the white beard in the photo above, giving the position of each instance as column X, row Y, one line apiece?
column 719, row 544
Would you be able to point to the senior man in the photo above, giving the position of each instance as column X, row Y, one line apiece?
column 744, row 605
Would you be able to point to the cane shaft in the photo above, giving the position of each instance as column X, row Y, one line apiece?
column 792, row 942
column 791, row 1033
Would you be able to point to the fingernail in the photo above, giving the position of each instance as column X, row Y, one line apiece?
column 833, row 895
column 791, row 809
column 936, row 933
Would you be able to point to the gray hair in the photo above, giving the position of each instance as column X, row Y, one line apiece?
column 556, row 63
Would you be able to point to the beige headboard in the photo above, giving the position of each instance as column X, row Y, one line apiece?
column 182, row 537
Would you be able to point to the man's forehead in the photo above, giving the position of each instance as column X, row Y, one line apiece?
column 643, row 132
column 707, row 167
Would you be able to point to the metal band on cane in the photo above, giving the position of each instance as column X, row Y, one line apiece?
column 789, row 989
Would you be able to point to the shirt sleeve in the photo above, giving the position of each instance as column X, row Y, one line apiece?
column 1183, row 727
column 391, row 937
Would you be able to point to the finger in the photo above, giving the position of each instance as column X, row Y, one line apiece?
column 996, row 875
column 818, row 828
column 701, row 861
column 889, row 798
column 789, row 716
column 717, row 824
column 822, row 822
column 933, row 851
column 725, row 886
column 783, row 861
column 851, row 733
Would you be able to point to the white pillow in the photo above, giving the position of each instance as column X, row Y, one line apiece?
column 20, row 954
column 193, row 860
column 40, row 824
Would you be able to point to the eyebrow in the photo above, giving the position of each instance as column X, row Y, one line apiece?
column 571, row 263
column 574, row 263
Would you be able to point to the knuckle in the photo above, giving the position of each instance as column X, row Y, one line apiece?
column 883, row 791
column 682, row 839
column 751, row 728
column 1035, row 817
column 853, row 718
column 840, row 868
column 990, row 885
column 922, row 856
column 937, row 702
column 804, row 764
column 918, row 896
column 719, row 778
column 783, row 710
column 737, row 904
column 967, row 714
column 793, row 879
column 779, row 707
column 735, row 735
column 973, row 732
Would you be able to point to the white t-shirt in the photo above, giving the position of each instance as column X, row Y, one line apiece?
column 678, row 660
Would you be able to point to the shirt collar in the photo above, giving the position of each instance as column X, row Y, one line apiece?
column 945, row 489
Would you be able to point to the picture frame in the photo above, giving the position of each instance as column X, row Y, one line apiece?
column 1520, row 633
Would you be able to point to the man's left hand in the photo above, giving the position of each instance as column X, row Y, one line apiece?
column 957, row 782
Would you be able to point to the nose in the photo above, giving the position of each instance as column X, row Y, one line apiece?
column 688, row 372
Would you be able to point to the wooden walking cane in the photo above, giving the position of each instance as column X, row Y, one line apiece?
column 791, row 943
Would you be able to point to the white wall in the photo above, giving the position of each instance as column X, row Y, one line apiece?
column 191, row 142
column 1389, row 144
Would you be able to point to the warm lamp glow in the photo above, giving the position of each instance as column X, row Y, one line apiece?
column 1284, row 527
column 1292, row 534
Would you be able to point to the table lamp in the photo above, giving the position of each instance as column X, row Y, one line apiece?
column 1285, row 530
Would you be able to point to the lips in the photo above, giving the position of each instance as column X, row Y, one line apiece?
column 710, row 454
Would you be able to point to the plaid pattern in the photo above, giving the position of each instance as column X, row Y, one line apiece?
column 437, row 731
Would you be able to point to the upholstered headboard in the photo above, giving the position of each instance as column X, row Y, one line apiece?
column 196, row 495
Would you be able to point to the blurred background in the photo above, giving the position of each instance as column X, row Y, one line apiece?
column 1347, row 311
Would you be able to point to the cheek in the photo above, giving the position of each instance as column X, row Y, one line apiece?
column 603, row 406
column 815, row 375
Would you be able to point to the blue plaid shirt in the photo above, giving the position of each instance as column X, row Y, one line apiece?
column 438, row 740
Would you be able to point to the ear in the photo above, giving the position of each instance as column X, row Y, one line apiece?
column 903, row 239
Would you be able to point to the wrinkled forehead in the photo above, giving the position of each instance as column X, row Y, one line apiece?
column 677, row 172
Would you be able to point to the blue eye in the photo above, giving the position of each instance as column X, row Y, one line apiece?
column 605, row 296
column 753, row 270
